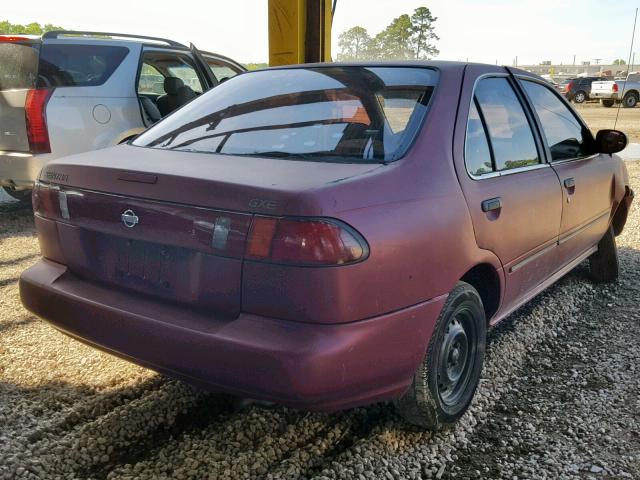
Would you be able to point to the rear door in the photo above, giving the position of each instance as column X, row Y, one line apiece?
column 202, row 64
column 514, row 197
column 18, row 74
column 586, row 177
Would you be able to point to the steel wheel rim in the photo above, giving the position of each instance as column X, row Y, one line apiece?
column 631, row 101
column 456, row 357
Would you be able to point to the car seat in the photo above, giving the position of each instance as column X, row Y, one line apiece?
column 176, row 95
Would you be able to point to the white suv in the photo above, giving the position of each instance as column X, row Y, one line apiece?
column 70, row 92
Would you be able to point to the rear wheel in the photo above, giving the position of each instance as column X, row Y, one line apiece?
column 603, row 264
column 580, row 96
column 448, row 376
column 607, row 103
column 630, row 100
column 23, row 196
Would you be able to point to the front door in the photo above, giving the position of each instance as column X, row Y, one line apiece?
column 514, row 197
column 586, row 178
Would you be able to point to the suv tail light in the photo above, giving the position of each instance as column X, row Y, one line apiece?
column 34, row 110
column 568, row 87
column 14, row 38
column 615, row 87
column 309, row 242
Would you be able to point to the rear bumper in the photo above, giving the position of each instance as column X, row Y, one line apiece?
column 20, row 170
column 604, row 95
column 309, row 366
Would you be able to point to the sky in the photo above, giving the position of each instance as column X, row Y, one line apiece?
column 487, row 31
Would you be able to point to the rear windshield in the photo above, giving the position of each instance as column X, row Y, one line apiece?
column 332, row 114
column 78, row 65
column 18, row 65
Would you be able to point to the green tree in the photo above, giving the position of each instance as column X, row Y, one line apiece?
column 354, row 44
column 394, row 42
column 255, row 66
column 34, row 28
column 423, row 34
column 619, row 61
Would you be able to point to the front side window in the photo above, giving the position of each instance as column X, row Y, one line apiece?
column 158, row 65
column 331, row 114
column 510, row 133
column 78, row 65
column 187, row 73
column 221, row 70
column 565, row 135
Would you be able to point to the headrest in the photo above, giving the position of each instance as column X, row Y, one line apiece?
column 172, row 85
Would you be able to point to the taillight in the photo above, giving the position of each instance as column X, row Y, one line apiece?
column 49, row 201
column 299, row 241
column 569, row 86
column 615, row 88
column 35, row 114
column 14, row 38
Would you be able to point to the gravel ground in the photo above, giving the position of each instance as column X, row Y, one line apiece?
column 599, row 117
column 559, row 398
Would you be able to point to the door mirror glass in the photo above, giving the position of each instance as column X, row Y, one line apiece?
column 610, row 141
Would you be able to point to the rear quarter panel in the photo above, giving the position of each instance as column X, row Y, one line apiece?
column 412, row 214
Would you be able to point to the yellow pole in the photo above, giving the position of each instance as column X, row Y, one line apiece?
column 299, row 31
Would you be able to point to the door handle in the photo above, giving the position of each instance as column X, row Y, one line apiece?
column 492, row 204
column 570, row 182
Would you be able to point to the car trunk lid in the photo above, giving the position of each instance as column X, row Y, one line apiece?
column 238, row 183
column 174, row 252
column 18, row 74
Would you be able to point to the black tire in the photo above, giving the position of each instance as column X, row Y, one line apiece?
column 580, row 96
column 607, row 103
column 603, row 264
column 23, row 196
column 440, row 394
column 630, row 100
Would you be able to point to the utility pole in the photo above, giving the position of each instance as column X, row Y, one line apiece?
column 574, row 59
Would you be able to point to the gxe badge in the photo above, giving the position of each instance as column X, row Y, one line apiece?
column 129, row 219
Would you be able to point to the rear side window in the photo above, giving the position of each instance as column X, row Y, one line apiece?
column 476, row 148
column 510, row 134
column 18, row 65
column 565, row 135
column 329, row 114
column 78, row 65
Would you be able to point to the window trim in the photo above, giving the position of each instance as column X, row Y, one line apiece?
column 522, row 78
column 533, row 125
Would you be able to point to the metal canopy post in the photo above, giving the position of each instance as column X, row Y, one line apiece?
column 299, row 31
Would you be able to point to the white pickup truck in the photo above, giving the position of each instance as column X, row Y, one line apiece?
column 612, row 91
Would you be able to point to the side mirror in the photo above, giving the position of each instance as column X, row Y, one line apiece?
column 610, row 141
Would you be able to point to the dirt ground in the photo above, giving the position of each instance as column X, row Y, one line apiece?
column 558, row 399
column 599, row 117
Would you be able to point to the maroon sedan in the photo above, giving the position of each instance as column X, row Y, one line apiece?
column 327, row 236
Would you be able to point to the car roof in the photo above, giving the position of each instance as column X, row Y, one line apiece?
column 437, row 64
column 76, row 35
